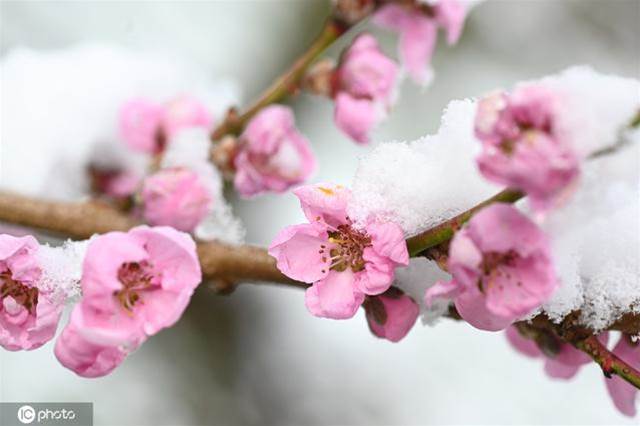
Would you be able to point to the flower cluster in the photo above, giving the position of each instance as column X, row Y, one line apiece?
column 134, row 284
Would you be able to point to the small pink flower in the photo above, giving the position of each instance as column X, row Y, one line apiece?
column 501, row 266
column 28, row 316
column 140, row 125
column 147, row 127
column 175, row 197
column 418, row 31
column 391, row 315
column 521, row 147
column 134, row 284
column 365, row 84
column 623, row 394
column 273, row 155
column 184, row 112
column 343, row 263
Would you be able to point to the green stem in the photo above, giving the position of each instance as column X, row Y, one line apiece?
column 608, row 361
column 444, row 232
column 286, row 84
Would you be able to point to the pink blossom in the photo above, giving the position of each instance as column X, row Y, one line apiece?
column 175, row 197
column 134, row 284
column 567, row 361
column 28, row 315
column 342, row 262
column 563, row 364
column 147, row 127
column 364, row 87
column 623, row 394
column 273, row 155
column 184, row 112
column 140, row 125
column 501, row 266
column 391, row 315
column 521, row 147
column 418, row 31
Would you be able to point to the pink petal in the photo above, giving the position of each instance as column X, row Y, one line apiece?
column 471, row 306
column 401, row 314
column 387, row 239
column 139, row 125
column 299, row 253
column 442, row 290
column 450, row 15
column 378, row 273
column 417, row 43
column 324, row 203
column 356, row 117
column 334, row 296
column 523, row 345
column 558, row 370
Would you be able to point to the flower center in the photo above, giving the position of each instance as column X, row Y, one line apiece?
column 22, row 294
column 135, row 278
column 492, row 267
column 349, row 247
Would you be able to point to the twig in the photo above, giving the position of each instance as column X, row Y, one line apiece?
column 286, row 83
column 608, row 361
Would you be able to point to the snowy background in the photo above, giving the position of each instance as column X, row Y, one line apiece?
column 257, row 357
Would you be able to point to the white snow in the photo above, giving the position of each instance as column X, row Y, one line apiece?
column 595, row 236
column 62, row 269
column 59, row 110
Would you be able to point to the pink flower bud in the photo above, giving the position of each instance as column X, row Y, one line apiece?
column 184, row 112
column 140, row 125
column 365, row 87
column 28, row 315
column 501, row 266
column 273, row 155
column 175, row 197
column 134, row 284
column 342, row 262
column 391, row 315
column 148, row 127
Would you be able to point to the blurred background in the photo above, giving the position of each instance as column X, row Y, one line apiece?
column 257, row 357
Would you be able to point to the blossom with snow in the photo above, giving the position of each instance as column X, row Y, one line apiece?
column 343, row 263
column 392, row 314
column 175, row 197
column 272, row 154
column 566, row 361
column 147, row 127
column 365, row 82
column 29, row 314
column 134, row 284
column 501, row 266
column 417, row 25
column 522, row 147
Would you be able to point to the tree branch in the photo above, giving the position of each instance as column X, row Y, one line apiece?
column 608, row 361
column 286, row 83
column 80, row 220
